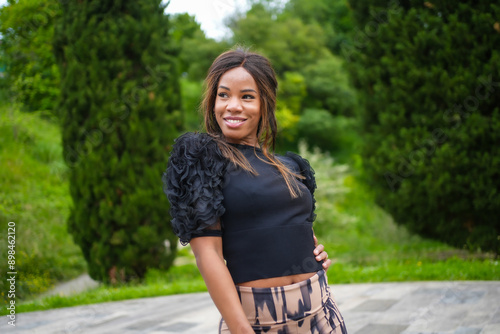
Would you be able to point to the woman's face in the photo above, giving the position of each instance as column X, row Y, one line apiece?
column 237, row 107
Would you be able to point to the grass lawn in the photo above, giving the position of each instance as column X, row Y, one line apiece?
column 35, row 196
column 361, row 239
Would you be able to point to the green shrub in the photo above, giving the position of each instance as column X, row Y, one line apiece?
column 120, row 112
column 430, row 84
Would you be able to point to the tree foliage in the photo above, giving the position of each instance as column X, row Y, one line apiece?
column 197, row 52
column 334, row 17
column 119, row 111
column 27, row 28
column 289, row 43
column 329, row 87
column 430, row 84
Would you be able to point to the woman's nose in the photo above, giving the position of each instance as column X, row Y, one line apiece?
column 234, row 104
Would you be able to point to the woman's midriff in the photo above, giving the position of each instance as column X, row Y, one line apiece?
column 277, row 281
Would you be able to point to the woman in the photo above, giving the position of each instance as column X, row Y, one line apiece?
column 248, row 213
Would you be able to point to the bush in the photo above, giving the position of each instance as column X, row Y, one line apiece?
column 120, row 112
column 429, row 79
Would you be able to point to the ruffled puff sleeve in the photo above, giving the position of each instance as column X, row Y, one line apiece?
column 193, row 184
column 309, row 181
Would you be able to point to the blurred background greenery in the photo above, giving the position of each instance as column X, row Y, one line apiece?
column 395, row 104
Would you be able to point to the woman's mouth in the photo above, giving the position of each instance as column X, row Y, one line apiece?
column 234, row 122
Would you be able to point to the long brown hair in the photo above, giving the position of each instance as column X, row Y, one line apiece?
column 262, row 72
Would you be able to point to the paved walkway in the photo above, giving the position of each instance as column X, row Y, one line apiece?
column 381, row 308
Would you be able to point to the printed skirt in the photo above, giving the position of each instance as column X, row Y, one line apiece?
column 306, row 307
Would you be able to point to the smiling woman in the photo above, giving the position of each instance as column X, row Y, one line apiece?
column 248, row 212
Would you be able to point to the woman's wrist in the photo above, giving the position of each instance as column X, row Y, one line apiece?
column 245, row 329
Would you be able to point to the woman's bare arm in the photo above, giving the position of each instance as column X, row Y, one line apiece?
column 210, row 262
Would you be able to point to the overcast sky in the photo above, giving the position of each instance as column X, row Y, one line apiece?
column 209, row 13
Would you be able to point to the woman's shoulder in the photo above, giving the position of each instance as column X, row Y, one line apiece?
column 193, row 184
column 195, row 145
column 193, row 139
column 301, row 166
column 294, row 161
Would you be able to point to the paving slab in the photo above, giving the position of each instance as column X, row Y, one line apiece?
column 455, row 307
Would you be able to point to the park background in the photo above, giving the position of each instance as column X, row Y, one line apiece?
column 394, row 103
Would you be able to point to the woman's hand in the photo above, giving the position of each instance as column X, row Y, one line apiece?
column 321, row 255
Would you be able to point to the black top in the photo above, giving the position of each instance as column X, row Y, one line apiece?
column 265, row 232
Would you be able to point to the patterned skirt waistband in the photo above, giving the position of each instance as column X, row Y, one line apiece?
column 270, row 306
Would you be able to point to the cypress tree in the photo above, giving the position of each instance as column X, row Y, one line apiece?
column 429, row 82
column 119, row 112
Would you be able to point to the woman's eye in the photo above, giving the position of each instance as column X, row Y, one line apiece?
column 246, row 97
column 222, row 94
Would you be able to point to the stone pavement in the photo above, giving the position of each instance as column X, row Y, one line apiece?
column 382, row 308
